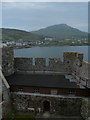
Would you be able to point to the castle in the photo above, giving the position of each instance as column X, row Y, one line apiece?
column 58, row 87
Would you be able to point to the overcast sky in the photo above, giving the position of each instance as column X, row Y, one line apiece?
column 35, row 15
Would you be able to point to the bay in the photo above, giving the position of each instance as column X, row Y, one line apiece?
column 51, row 52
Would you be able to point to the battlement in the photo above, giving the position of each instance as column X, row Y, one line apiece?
column 73, row 55
column 38, row 64
column 72, row 64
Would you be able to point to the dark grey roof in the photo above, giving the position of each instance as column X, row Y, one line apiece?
column 38, row 80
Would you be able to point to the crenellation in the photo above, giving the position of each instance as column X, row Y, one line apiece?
column 73, row 64
column 68, row 60
column 56, row 64
column 40, row 63
column 80, row 56
column 23, row 63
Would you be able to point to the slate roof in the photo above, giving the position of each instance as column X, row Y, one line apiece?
column 38, row 80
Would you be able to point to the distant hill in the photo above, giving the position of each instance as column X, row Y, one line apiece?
column 61, row 31
column 15, row 35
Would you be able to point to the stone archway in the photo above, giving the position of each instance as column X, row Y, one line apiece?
column 46, row 105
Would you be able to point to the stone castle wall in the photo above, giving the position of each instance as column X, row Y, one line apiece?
column 73, row 62
column 85, row 110
column 0, row 56
column 5, row 103
column 60, row 106
column 7, row 61
column 26, row 64
column 70, row 106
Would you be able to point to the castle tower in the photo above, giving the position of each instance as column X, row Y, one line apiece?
column 72, row 60
column 7, row 61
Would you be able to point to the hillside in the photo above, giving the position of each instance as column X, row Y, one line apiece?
column 15, row 35
column 61, row 31
column 61, row 34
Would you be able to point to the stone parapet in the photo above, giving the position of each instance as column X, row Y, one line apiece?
column 38, row 64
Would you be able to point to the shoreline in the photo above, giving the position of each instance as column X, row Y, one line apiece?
column 21, row 47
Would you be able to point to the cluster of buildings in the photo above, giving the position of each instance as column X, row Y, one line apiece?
column 26, row 43
column 45, row 41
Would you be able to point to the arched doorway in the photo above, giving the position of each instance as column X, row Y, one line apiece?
column 46, row 105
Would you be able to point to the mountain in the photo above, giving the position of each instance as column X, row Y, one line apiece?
column 15, row 35
column 61, row 31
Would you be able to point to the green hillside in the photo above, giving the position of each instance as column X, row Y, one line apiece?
column 61, row 31
column 15, row 35
column 61, row 34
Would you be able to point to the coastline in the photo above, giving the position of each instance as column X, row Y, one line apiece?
column 21, row 47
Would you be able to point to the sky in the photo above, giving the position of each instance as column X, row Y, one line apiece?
column 44, row 0
column 32, row 16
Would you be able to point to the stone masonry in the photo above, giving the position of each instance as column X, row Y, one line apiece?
column 7, row 61
column 61, row 106
column 73, row 64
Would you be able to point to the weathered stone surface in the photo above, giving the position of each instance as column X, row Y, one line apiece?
column 84, row 108
column 61, row 106
column 1, row 56
column 56, row 64
column 26, row 64
column 5, row 103
column 40, row 63
column 74, row 64
column 7, row 61
column 23, row 64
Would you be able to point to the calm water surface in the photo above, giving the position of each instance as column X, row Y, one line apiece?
column 53, row 51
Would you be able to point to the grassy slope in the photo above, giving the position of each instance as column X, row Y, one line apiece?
column 61, row 31
column 14, row 34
